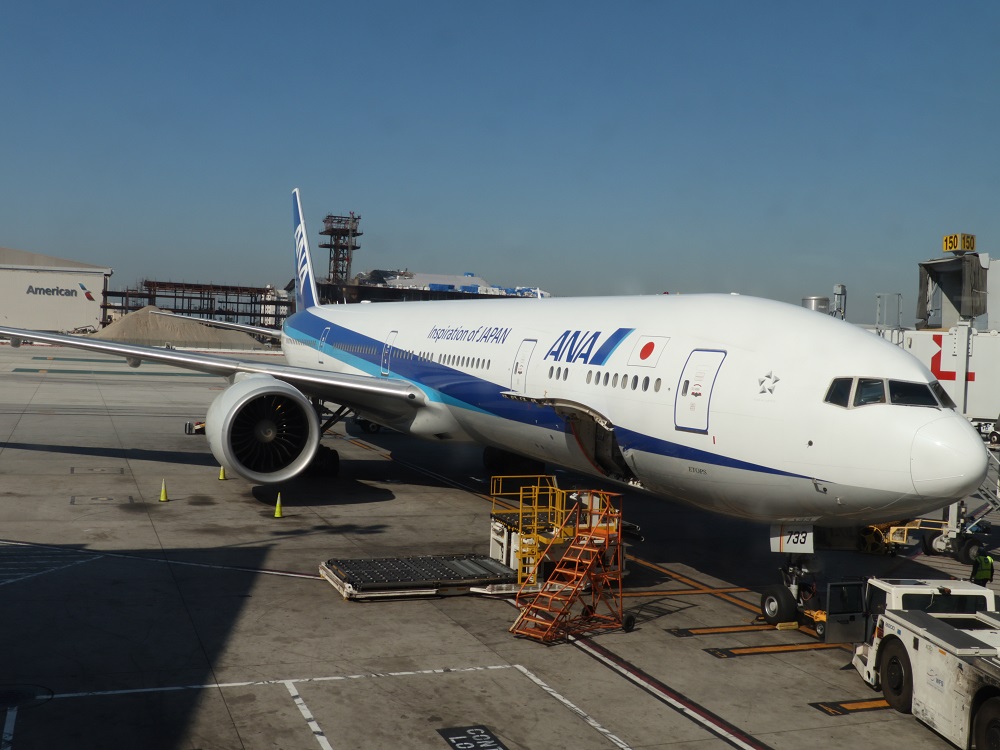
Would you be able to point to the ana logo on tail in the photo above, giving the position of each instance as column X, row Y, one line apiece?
column 305, row 288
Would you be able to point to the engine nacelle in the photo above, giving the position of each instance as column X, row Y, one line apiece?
column 263, row 429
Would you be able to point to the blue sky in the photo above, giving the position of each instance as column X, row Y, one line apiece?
column 773, row 149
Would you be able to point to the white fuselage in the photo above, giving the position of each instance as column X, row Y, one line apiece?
column 719, row 400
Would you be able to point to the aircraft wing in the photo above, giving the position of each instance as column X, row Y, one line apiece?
column 270, row 333
column 386, row 398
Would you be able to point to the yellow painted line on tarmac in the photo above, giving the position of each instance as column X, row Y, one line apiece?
column 844, row 708
column 723, row 629
column 698, row 588
column 788, row 648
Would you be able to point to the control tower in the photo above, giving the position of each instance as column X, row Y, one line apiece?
column 343, row 233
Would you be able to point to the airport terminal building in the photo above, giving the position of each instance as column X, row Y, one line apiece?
column 50, row 294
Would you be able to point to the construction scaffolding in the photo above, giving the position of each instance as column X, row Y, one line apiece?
column 265, row 307
column 343, row 233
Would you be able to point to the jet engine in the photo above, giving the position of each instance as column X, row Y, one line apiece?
column 263, row 429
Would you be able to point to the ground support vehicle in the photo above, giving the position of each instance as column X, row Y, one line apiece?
column 931, row 647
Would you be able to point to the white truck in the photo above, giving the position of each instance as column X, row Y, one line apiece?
column 932, row 647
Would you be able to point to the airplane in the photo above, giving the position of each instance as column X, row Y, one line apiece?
column 744, row 406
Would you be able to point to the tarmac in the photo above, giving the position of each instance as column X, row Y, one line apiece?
column 200, row 621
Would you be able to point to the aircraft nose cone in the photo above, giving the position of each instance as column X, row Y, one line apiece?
column 948, row 459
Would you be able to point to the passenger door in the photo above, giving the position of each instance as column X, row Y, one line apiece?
column 694, row 390
column 387, row 352
column 321, row 344
column 519, row 373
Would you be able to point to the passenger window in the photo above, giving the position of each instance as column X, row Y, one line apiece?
column 870, row 391
column 840, row 392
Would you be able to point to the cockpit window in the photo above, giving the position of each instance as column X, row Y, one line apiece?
column 942, row 396
column 840, row 392
column 911, row 394
column 870, row 391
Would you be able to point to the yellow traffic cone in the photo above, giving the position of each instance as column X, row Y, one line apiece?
column 163, row 492
column 277, row 507
column 222, row 472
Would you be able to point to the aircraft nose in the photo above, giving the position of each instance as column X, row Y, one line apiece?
column 948, row 459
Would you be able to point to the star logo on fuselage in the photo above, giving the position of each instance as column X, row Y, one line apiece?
column 768, row 382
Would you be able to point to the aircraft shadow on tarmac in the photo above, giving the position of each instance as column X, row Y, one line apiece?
column 128, row 454
column 122, row 620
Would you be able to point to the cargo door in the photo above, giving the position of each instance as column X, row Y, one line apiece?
column 519, row 373
column 845, row 612
column 694, row 390
column 387, row 351
column 320, row 357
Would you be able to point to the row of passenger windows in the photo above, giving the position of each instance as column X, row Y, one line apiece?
column 607, row 379
column 471, row 363
column 847, row 392
column 451, row 360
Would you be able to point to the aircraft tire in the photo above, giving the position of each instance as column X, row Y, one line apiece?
column 628, row 623
column 370, row 427
column 326, row 462
column 896, row 677
column 778, row 605
column 927, row 543
column 969, row 551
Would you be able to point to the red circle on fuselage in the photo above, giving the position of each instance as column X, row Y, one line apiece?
column 646, row 350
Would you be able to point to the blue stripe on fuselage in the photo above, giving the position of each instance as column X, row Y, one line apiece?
column 628, row 439
column 609, row 346
column 460, row 389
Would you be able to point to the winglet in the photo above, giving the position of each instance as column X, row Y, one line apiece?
column 305, row 281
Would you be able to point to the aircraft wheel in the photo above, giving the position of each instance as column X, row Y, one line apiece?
column 927, row 543
column 628, row 623
column 778, row 605
column 896, row 677
column 986, row 725
column 326, row 462
column 995, row 438
column 968, row 551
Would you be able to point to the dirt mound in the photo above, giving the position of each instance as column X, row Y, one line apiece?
column 144, row 328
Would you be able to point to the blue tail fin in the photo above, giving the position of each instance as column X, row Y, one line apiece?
column 305, row 281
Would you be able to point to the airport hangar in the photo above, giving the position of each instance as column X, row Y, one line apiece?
column 50, row 294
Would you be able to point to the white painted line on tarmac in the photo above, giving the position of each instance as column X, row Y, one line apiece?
column 8, row 729
column 574, row 708
column 50, row 570
column 307, row 715
column 141, row 558
column 255, row 683
column 718, row 726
